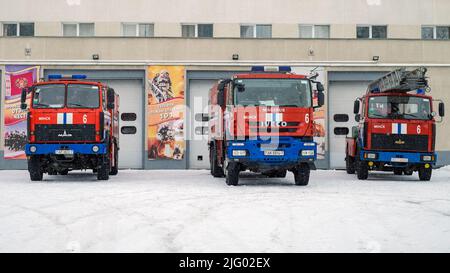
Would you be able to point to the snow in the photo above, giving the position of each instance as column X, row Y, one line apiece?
column 190, row 211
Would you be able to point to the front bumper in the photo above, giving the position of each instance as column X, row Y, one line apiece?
column 255, row 151
column 399, row 158
column 50, row 149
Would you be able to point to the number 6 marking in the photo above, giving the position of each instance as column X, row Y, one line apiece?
column 419, row 130
column 84, row 118
column 307, row 118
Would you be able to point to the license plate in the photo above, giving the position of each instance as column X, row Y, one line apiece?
column 274, row 153
column 399, row 160
column 64, row 152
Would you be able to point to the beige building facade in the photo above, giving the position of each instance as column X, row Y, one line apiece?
column 344, row 59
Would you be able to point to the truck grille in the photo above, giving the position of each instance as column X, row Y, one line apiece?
column 400, row 142
column 64, row 132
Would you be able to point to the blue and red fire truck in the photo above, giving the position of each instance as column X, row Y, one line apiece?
column 263, row 121
column 72, row 125
column 396, row 127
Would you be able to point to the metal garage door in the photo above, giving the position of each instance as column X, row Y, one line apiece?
column 198, row 123
column 341, row 117
column 131, row 122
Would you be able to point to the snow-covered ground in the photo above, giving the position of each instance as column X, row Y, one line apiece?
column 189, row 211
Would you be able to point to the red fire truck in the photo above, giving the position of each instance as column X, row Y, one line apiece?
column 72, row 125
column 397, row 127
column 263, row 121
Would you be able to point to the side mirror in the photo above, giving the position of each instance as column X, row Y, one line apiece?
column 221, row 98
column 441, row 109
column 357, row 117
column 320, row 98
column 23, row 99
column 356, row 106
column 320, row 87
column 110, row 96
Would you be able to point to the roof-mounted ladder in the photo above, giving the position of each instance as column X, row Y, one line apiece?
column 400, row 80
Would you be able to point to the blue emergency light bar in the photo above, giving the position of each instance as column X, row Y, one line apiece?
column 59, row 77
column 284, row 69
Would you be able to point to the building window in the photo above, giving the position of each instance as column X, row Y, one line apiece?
column 436, row 32
column 314, row 31
column 137, row 30
column 197, row 30
column 371, row 32
column 79, row 29
column 18, row 29
column 256, row 31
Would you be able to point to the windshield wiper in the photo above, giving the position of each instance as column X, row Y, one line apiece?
column 377, row 116
column 41, row 104
column 288, row 105
column 411, row 115
column 75, row 104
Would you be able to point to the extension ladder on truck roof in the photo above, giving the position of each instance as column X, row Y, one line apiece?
column 400, row 80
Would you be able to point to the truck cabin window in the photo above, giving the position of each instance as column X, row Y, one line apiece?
column 273, row 92
column 49, row 96
column 83, row 96
column 399, row 107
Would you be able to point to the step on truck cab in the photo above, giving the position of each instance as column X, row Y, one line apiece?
column 263, row 121
column 73, row 124
column 396, row 127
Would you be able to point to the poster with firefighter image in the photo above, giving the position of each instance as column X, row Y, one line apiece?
column 17, row 78
column 319, row 113
column 166, row 112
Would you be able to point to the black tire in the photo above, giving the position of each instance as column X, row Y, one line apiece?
column 216, row 170
column 408, row 172
column 398, row 171
column 104, row 167
column 362, row 170
column 281, row 174
column 35, row 168
column 350, row 164
column 232, row 175
column 64, row 172
column 115, row 168
column 301, row 174
column 425, row 174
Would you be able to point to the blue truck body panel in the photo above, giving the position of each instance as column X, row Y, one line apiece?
column 47, row 149
column 411, row 157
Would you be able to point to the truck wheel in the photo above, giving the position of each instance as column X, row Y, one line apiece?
column 115, row 168
column 281, row 174
column 362, row 170
column 34, row 168
column 301, row 174
column 408, row 172
column 350, row 164
column 104, row 167
column 398, row 171
column 216, row 170
column 232, row 175
column 425, row 174
column 64, row 172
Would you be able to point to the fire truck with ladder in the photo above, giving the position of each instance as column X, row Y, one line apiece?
column 396, row 127
column 263, row 121
column 72, row 124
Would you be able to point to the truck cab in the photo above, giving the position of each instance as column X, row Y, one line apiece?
column 263, row 122
column 396, row 130
column 72, row 124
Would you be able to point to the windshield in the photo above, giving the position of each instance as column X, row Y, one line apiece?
column 273, row 92
column 82, row 96
column 49, row 96
column 399, row 107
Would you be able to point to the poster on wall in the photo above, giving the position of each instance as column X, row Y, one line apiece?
column 166, row 110
column 15, row 133
column 319, row 113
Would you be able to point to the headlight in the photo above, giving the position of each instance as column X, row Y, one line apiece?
column 427, row 158
column 309, row 144
column 239, row 152
column 370, row 155
column 307, row 152
column 95, row 148
column 33, row 149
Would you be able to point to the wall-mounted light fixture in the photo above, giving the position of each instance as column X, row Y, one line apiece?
column 28, row 51
column 376, row 58
column 95, row 57
column 235, row 57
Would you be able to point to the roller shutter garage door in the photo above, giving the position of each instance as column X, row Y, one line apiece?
column 342, row 95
